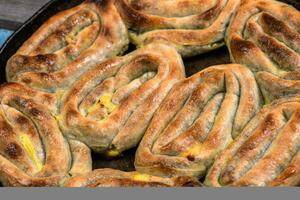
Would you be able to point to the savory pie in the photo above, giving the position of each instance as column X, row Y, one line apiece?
column 109, row 108
column 193, row 27
column 116, row 178
column 199, row 118
column 267, row 151
column 33, row 151
column 67, row 45
column 265, row 36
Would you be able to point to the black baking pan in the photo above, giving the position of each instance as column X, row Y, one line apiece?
column 192, row 65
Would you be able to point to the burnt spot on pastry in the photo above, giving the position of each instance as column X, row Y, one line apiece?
column 22, row 120
column 281, row 54
column 26, row 80
column 36, row 112
column 269, row 122
column 13, row 150
column 5, row 130
column 240, row 47
column 45, row 76
column 48, row 59
column 191, row 158
column 21, row 102
column 211, row 13
column 61, row 33
column 133, row 17
column 272, row 23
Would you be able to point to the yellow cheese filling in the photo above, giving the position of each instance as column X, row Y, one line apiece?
column 94, row 107
column 193, row 151
column 104, row 101
column 30, row 150
column 112, row 153
column 58, row 117
column 71, row 38
column 141, row 177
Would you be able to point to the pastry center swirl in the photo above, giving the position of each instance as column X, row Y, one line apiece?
column 106, row 97
column 76, row 34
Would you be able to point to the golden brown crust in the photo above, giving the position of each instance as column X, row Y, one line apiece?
column 193, row 27
column 265, row 36
column 116, row 178
column 68, row 44
column 200, row 116
column 33, row 151
column 111, row 105
column 267, row 151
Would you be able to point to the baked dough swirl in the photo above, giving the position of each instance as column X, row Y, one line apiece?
column 265, row 36
column 33, row 151
column 193, row 27
column 267, row 151
column 197, row 120
column 116, row 178
column 111, row 105
column 68, row 44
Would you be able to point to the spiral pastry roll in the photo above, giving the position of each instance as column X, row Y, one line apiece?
column 116, row 178
column 68, row 44
column 267, row 151
column 265, row 36
column 33, row 151
column 197, row 120
column 192, row 26
column 111, row 106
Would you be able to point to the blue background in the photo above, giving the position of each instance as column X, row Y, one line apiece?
column 4, row 34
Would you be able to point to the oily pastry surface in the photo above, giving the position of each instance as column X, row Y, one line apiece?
column 116, row 178
column 68, row 44
column 265, row 36
column 197, row 120
column 110, row 106
column 33, row 151
column 193, row 27
column 267, row 151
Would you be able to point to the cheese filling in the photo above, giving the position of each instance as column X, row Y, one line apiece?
column 141, row 177
column 30, row 150
column 105, row 101
column 192, row 151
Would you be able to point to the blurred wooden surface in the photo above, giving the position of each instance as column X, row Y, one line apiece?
column 14, row 12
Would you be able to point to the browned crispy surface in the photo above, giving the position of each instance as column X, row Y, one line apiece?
column 267, row 151
column 33, row 151
column 133, row 85
column 193, row 27
column 265, row 36
column 197, row 120
column 116, row 178
column 68, row 44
